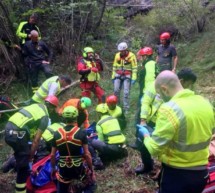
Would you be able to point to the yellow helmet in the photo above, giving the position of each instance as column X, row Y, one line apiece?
column 102, row 108
column 70, row 112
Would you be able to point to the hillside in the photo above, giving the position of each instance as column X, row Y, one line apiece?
column 195, row 50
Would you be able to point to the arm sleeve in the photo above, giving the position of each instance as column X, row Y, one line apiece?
column 82, row 69
column 146, row 104
column 114, row 67
column 86, row 121
column 163, row 133
column 99, row 132
column 173, row 50
column 99, row 65
column 43, row 123
column 48, row 51
column 54, row 141
column 134, row 67
column 53, row 88
column 19, row 32
column 84, row 137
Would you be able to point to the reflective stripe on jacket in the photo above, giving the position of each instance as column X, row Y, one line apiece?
column 22, row 31
column 150, row 104
column 30, row 113
column 109, row 131
column 43, row 90
column 129, row 63
column 48, row 134
column 183, row 131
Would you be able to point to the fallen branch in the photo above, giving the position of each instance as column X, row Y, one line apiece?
column 69, row 86
column 10, row 110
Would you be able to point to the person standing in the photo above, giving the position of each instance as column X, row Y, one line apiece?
column 151, row 103
column 146, row 75
column 89, row 67
column 35, row 52
column 124, row 73
column 167, row 58
column 24, row 29
column 184, row 128
column 23, row 132
column 75, row 161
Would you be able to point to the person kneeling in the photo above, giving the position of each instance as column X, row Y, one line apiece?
column 111, row 142
column 71, row 142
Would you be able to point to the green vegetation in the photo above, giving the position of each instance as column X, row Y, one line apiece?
column 193, row 32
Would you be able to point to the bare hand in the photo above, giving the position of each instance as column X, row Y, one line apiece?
column 97, row 56
column 45, row 62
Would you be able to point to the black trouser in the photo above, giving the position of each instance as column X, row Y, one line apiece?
column 145, row 155
column 107, row 152
column 34, row 72
column 21, row 153
column 174, row 180
column 80, row 173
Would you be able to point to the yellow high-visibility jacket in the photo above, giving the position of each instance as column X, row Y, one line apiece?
column 48, row 134
column 150, row 104
column 129, row 63
column 43, row 90
column 109, row 131
column 183, row 131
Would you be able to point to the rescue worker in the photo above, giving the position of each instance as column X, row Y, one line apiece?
column 45, row 144
column 71, row 143
column 49, row 87
column 82, row 105
column 151, row 103
column 124, row 73
column 111, row 142
column 25, row 27
column 89, row 67
column 146, row 75
column 167, row 58
column 35, row 52
column 115, row 111
column 23, row 132
column 187, row 78
column 184, row 127
column 148, row 72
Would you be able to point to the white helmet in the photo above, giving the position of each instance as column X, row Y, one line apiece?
column 122, row 46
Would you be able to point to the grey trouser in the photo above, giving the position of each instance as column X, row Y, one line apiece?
column 125, row 82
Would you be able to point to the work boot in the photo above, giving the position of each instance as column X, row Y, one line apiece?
column 133, row 145
column 9, row 164
column 141, row 170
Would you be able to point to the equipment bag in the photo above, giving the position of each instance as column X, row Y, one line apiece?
column 40, row 180
column 210, row 187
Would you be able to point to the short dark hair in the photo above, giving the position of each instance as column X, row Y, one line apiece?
column 187, row 74
column 35, row 16
column 66, row 78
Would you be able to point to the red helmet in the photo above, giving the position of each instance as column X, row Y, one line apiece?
column 165, row 36
column 52, row 100
column 112, row 99
column 145, row 51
